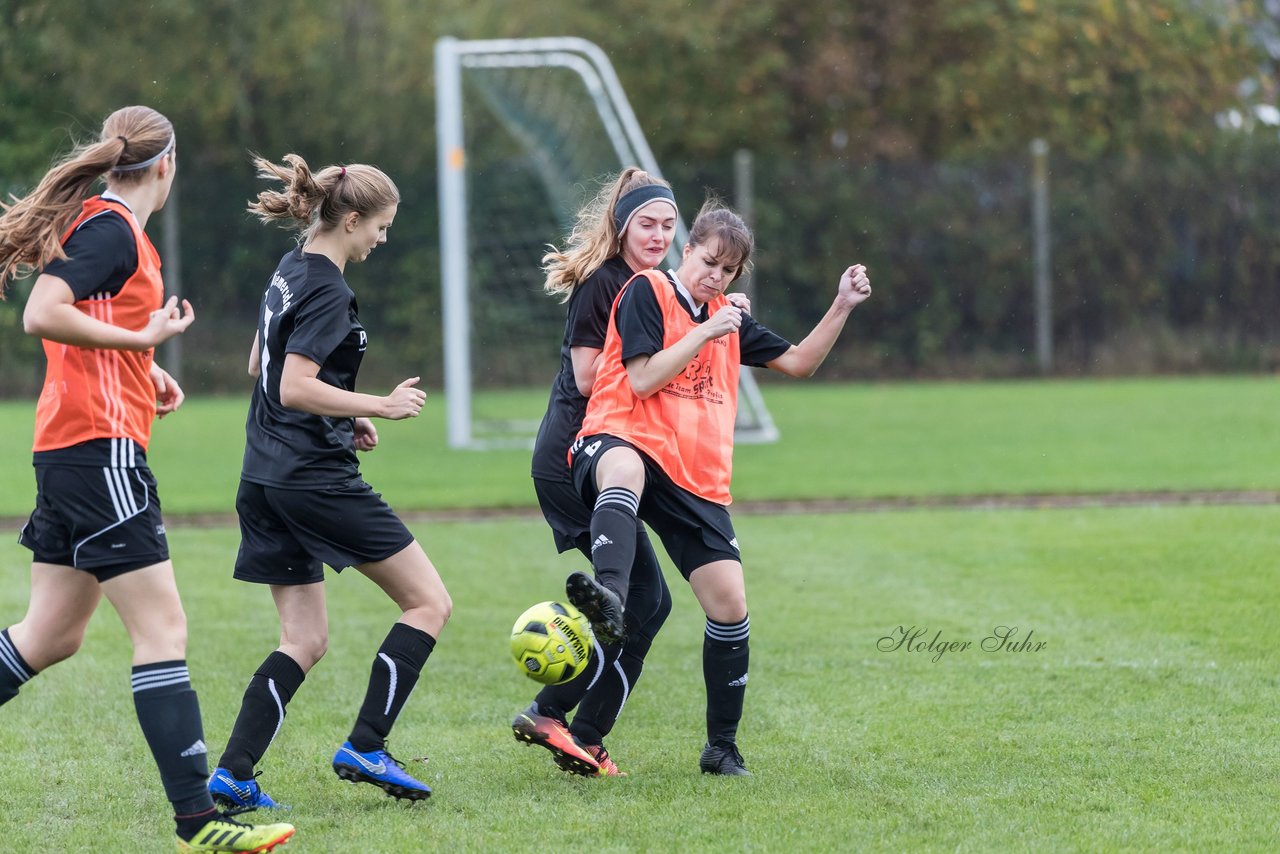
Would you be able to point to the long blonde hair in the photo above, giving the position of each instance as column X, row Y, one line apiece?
column 594, row 238
column 31, row 227
column 318, row 201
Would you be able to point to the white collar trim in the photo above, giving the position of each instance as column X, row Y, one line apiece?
column 683, row 291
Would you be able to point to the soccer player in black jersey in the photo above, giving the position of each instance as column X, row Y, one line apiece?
column 99, row 306
column 302, row 502
column 626, row 228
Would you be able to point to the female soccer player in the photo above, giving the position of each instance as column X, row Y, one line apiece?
column 99, row 307
column 659, row 431
column 627, row 227
column 302, row 502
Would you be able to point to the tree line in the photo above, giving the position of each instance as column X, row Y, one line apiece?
column 894, row 132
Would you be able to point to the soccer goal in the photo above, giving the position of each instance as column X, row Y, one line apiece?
column 526, row 131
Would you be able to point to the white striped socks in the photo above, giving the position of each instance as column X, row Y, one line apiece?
column 165, row 674
column 14, row 671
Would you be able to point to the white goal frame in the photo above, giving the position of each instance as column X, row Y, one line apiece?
column 589, row 62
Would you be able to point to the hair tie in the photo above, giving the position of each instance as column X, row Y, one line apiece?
column 125, row 140
column 134, row 167
column 633, row 200
column 342, row 174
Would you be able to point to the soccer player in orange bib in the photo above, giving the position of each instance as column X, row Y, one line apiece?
column 658, row 435
column 99, row 307
column 625, row 228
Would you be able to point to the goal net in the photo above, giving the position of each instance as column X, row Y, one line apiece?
column 527, row 130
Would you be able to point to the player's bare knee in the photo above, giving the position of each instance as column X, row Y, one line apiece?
column 432, row 613
column 620, row 467
column 307, row 649
column 56, row 648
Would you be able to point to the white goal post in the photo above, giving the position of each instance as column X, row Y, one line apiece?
column 491, row 79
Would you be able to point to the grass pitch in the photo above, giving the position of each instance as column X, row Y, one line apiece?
column 1144, row 722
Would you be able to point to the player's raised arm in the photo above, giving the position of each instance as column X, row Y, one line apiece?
column 803, row 359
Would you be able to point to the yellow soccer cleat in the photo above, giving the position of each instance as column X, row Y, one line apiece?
column 226, row 835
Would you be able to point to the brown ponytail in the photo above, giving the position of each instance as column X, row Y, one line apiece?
column 31, row 227
column 318, row 201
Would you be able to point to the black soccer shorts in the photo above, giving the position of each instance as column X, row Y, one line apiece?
column 100, row 519
column 286, row 535
column 693, row 530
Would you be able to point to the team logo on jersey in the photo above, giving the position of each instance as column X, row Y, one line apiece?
column 286, row 295
column 364, row 340
column 695, row 382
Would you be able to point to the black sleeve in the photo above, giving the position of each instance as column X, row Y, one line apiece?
column 101, row 256
column 639, row 320
column 589, row 313
column 758, row 344
column 323, row 320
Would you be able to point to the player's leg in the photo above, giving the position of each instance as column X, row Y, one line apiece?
column 570, row 521
column 647, row 610
column 545, row 721
column 270, row 554
column 721, row 591
column 610, row 475
column 413, row 583
column 168, row 711
column 304, row 634
column 69, row 506
column 699, row 536
column 62, row 602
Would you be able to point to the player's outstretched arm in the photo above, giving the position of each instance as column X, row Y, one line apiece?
column 803, row 359
column 301, row 388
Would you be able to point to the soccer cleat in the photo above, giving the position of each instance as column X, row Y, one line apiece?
column 533, row 728
column 723, row 758
column 601, row 756
column 379, row 768
column 599, row 604
column 239, row 794
column 228, row 835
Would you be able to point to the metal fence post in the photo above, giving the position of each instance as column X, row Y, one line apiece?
column 1040, row 226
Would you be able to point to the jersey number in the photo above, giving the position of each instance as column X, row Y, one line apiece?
column 266, row 354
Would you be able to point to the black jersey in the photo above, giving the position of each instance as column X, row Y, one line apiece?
column 307, row 309
column 585, row 325
column 642, row 330
column 101, row 255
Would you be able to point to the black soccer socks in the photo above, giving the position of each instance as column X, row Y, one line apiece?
column 725, row 655
column 395, row 671
column 169, row 715
column 14, row 671
column 613, row 538
column 262, row 713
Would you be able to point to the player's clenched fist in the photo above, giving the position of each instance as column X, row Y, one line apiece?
column 724, row 321
column 855, row 286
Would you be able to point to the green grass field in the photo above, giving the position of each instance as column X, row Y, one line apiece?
column 1145, row 722
column 839, row 441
